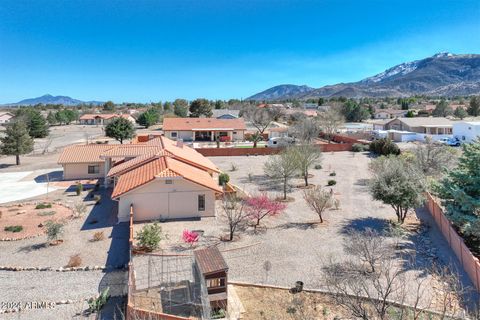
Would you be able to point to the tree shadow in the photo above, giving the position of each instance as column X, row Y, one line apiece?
column 298, row 225
column 33, row 247
column 361, row 224
column 362, row 182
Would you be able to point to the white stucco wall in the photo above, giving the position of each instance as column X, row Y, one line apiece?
column 466, row 132
column 157, row 200
column 80, row 171
column 238, row 136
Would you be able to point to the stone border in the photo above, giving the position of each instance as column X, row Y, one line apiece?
column 62, row 269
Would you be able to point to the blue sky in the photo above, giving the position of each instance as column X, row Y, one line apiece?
column 160, row 50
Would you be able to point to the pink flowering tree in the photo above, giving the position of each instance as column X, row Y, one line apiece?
column 261, row 206
column 190, row 237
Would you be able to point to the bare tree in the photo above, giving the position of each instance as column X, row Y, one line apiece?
column 281, row 167
column 233, row 207
column 330, row 121
column 305, row 157
column 432, row 158
column 260, row 118
column 306, row 130
column 318, row 200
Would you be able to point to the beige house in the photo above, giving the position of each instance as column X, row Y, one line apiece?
column 204, row 129
column 6, row 117
column 160, row 178
column 103, row 118
column 423, row 125
column 389, row 113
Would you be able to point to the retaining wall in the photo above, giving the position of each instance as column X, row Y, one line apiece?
column 469, row 262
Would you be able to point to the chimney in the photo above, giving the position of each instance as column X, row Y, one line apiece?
column 180, row 143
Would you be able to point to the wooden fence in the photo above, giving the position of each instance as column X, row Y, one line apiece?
column 469, row 262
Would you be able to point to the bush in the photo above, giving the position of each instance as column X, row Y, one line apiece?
column 98, row 236
column 218, row 314
column 332, row 174
column 318, row 166
column 223, row 179
column 46, row 213
column 75, row 261
column 43, row 206
column 13, row 228
column 79, row 189
column 96, row 304
column 358, row 147
column 332, row 182
column 97, row 198
column 150, row 236
column 384, row 147
column 53, row 230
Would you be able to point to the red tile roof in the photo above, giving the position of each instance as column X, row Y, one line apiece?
column 193, row 124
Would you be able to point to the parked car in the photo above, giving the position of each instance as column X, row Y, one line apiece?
column 454, row 142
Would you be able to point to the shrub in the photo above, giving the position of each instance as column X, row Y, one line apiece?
column 190, row 237
column 318, row 166
column 74, row 261
column 223, row 179
column 43, row 206
column 218, row 314
column 150, row 236
column 79, row 189
column 96, row 304
column 332, row 174
column 53, row 230
column 358, row 147
column 332, row 182
column 79, row 209
column 97, row 198
column 13, row 228
column 46, row 213
column 98, row 236
column 384, row 147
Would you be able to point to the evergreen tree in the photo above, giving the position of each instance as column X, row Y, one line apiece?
column 35, row 122
column 460, row 191
column 219, row 104
column 109, row 106
column 167, row 107
column 16, row 141
column 460, row 113
column 442, row 109
column 120, row 129
column 51, row 119
column 200, row 107
column 474, row 108
column 148, row 118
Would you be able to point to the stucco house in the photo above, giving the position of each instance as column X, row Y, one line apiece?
column 204, row 129
column 424, row 125
column 161, row 178
column 389, row 113
column 103, row 118
column 225, row 114
column 466, row 131
column 6, row 117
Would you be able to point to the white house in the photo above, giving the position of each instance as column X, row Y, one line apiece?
column 466, row 131
column 5, row 117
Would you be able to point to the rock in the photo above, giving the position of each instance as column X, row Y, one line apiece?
column 40, row 225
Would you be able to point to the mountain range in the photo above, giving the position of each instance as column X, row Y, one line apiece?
column 49, row 99
column 444, row 74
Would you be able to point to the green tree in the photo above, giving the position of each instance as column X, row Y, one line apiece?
column 200, row 107
column 397, row 183
column 109, row 106
column 321, row 101
column 474, row 107
column 460, row 191
column 219, row 104
column 51, row 119
column 384, row 147
column 410, row 114
column 442, row 109
column 353, row 112
column 148, row 118
column 180, row 108
column 70, row 115
column 167, row 107
column 120, row 129
column 16, row 141
column 150, row 236
column 460, row 113
column 35, row 122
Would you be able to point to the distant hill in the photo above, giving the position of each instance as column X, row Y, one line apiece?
column 278, row 92
column 49, row 99
column 443, row 74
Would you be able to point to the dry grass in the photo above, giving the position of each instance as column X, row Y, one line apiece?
column 75, row 261
column 98, row 236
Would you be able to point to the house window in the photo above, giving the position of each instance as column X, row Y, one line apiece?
column 173, row 134
column 216, row 283
column 234, row 132
column 168, row 181
column 94, row 169
column 201, row 202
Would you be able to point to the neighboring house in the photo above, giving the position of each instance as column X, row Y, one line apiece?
column 161, row 178
column 6, row 117
column 466, row 131
column 103, row 118
column 310, row 106
column 389, row 113
column 424, row 125
column 278, row 132
column 204, row 129
column 225, row 114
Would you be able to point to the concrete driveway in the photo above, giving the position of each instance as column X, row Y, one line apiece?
column 22, row 185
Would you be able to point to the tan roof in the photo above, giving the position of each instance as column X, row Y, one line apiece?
column 209, row 260
column 130, row 150
column 425, row 121
column 196, row 124
column 86, row 153
column 162, row 166
column 92, row 116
